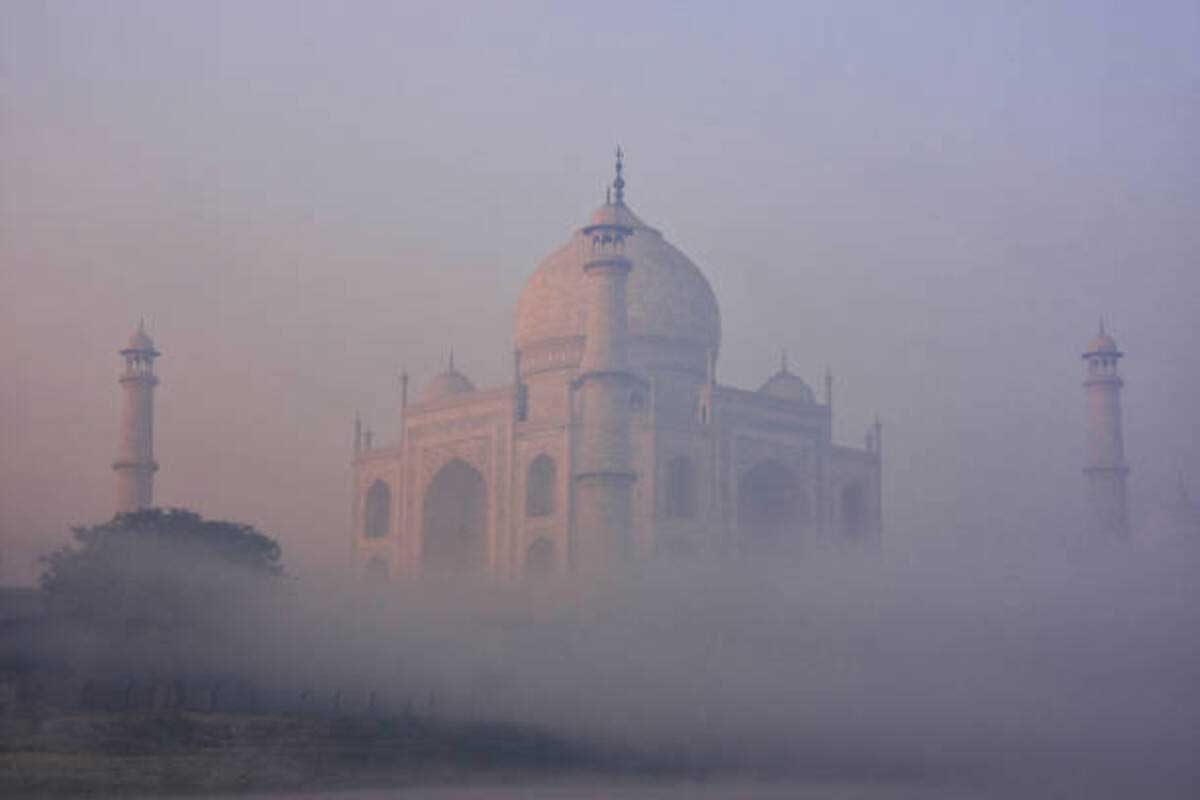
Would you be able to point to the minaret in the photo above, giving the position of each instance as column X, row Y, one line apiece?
column 1106, row 469
column 135, row 465
column 604, row 474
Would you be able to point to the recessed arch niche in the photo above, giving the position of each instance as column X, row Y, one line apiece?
column 454, row 520
column 377, row 511
column 770, row 508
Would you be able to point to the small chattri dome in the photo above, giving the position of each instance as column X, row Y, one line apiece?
column 609, row 214
column 447, row 384
column 140, row 341
column 1102, row 343
column 784, row 385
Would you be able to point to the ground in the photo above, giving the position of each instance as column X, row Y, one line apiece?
column 186, row 753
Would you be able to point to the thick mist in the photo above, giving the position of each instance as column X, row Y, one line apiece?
column 1028, row 672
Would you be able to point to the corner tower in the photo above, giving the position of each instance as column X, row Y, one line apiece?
column 604, row 473
column 135, row 465
column 1106, row 470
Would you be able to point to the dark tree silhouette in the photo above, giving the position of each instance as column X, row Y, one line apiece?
column 154, row 569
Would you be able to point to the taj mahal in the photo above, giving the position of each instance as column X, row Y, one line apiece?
column 614, row 442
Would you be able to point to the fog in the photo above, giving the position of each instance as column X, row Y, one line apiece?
column 1026, row 673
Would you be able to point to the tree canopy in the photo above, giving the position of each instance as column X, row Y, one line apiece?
column 155, row 568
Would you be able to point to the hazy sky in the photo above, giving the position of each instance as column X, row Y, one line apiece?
column 936, row 198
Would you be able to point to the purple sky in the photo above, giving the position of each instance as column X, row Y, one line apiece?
column 937, row 198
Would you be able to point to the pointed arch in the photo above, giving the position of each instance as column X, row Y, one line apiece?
column 540, row 558
column 681, row 488
column 541, row 487
column 454, row 520
column 854, row 512
column 770, row 508
column 376, row 569
column 377, row 511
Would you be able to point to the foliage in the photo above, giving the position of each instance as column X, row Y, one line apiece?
column 155, row 569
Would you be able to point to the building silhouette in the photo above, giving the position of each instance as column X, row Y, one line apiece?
column 615, row 442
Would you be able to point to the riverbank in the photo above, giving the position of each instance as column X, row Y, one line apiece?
column 187, row 753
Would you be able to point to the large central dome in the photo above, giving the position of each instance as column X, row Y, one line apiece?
column 673, row 317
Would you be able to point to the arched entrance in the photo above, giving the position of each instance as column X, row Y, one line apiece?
column 377, row 511
column 539, row 558
column 454, row 529
column 376, row 570
column 541, row 486
column 854, row 512
column 681, row 488
column 769, row 509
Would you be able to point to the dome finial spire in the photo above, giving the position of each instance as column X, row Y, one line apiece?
column 783, row 361
column 1101, row 325
column 451, row 360
column 618, row 183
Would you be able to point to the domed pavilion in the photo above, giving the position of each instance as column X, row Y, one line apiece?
column 614, row 442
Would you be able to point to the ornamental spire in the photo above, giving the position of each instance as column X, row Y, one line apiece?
column 618, row 183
